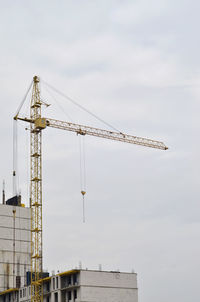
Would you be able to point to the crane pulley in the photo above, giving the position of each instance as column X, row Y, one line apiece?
column 37, row 125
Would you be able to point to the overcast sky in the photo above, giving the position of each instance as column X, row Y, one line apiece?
column 136, row 65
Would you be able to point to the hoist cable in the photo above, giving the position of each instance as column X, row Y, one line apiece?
column 84, row 179
column 80, row 162
column 15, row 145
column 83, row 208
column 27, row 165
column 15, row 151
column 82, row 172
column 84, row 164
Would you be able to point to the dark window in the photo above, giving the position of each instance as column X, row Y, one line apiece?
column 75, row 294
column 21, row 293
column 69, row 280
column 74, row 278
column 56, row 297
column 69, row 296
column 53, row 283
column 56, row 282
column 48, row 286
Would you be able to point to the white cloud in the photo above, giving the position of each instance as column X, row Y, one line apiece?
column 137, row 12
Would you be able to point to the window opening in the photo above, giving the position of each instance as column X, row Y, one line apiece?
column 69, row 296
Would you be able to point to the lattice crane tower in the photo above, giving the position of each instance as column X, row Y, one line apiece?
column 37, row 124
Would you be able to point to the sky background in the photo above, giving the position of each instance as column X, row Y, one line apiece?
column 136, row 65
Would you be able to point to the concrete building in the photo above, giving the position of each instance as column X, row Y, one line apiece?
column 15, row 239
column 81, row 286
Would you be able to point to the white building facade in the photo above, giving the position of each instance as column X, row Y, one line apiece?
column 81, row 286
column 15, row 245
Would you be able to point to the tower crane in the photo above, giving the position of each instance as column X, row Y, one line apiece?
column 37, row 125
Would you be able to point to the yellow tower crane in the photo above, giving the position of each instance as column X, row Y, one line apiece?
column 37, row 124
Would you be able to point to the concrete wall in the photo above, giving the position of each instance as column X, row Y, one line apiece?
column 91, row 286
column 108, row 287
column 22, row 234
column 108, row 295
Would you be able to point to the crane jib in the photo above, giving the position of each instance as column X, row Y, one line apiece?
column 42, row 123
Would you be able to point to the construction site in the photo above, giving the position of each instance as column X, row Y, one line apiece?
column 22, row 277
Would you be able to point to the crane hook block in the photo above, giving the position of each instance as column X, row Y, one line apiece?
column 83, row 193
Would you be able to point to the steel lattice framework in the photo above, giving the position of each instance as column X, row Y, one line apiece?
column 118, row 136
column 37, row 125
column 36, row 194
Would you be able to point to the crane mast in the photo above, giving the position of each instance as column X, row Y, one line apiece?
column 36, row 194
column 37, row 124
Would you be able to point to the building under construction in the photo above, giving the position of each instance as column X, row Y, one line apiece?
column 77, row 285
column 15, row 243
